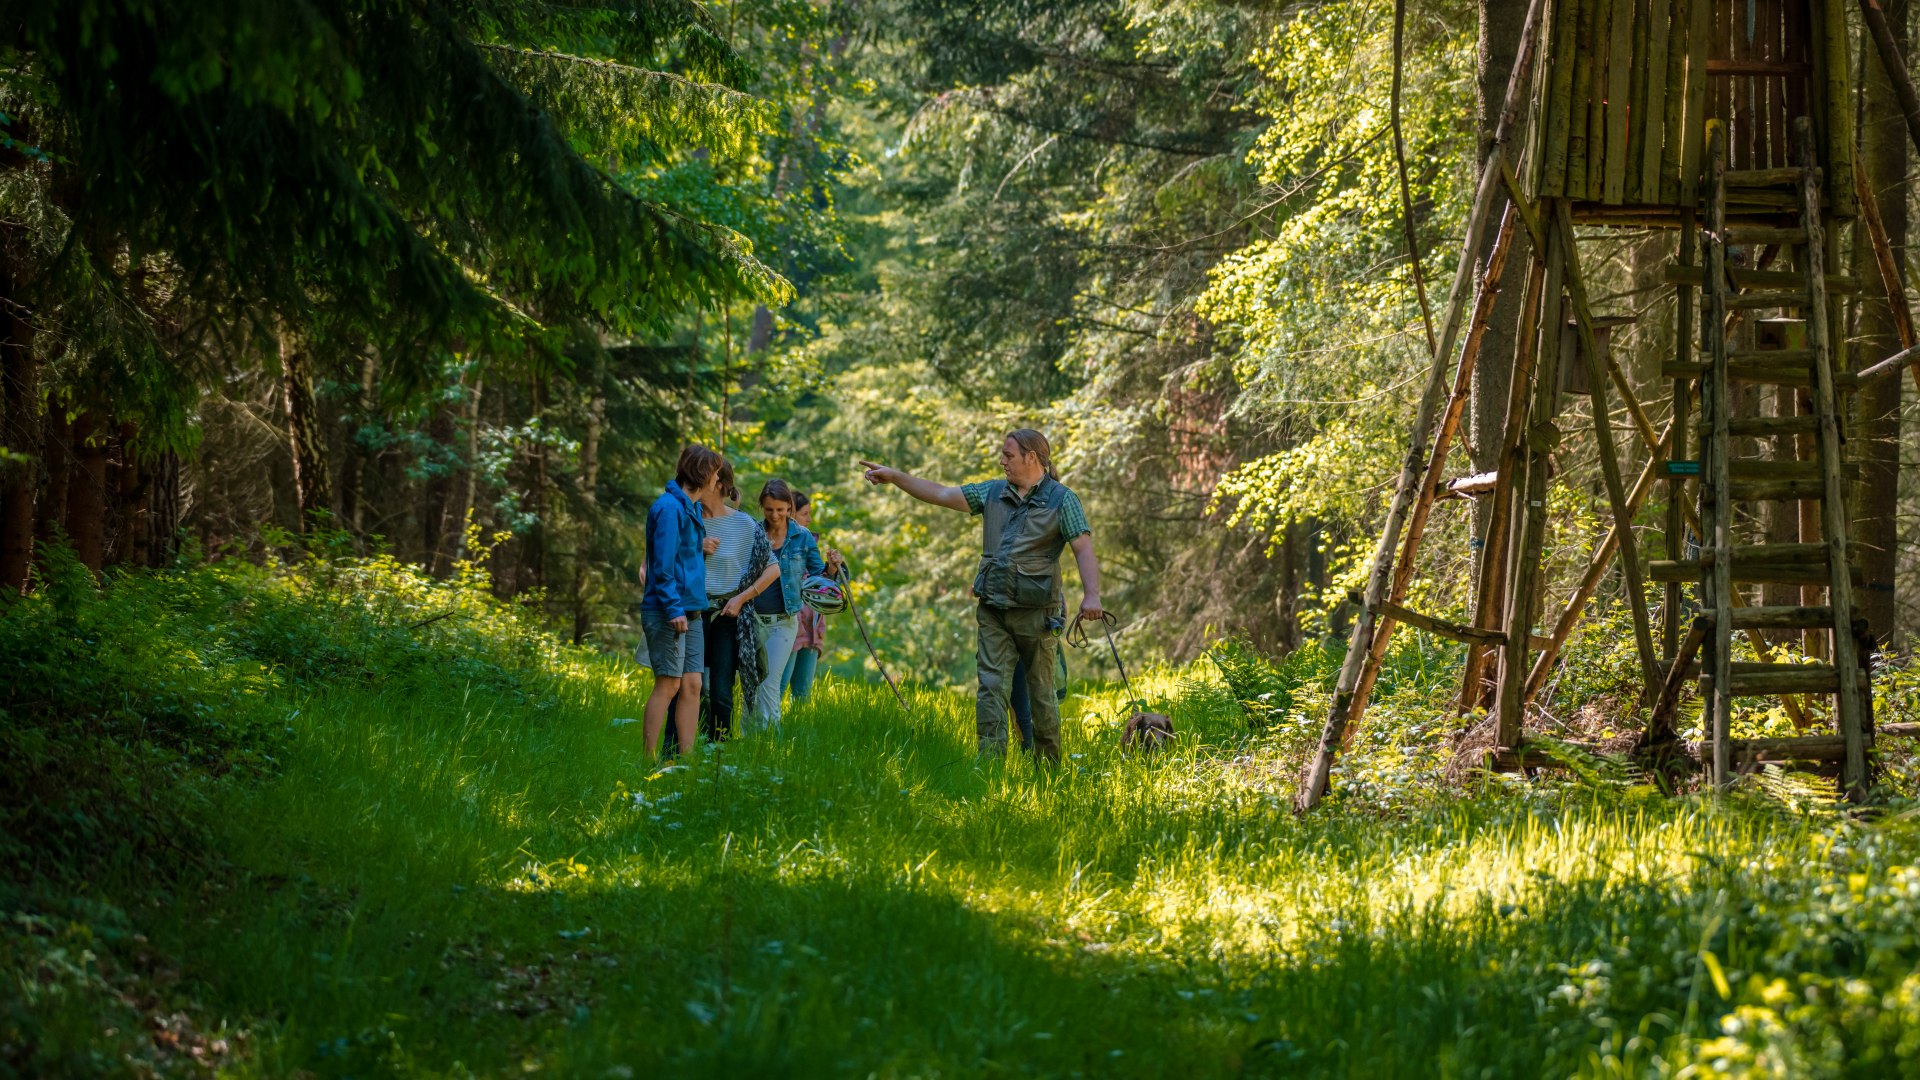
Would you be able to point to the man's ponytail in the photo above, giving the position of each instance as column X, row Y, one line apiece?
column 1035, row 443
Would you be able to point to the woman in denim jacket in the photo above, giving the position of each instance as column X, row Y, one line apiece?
column 778, row 609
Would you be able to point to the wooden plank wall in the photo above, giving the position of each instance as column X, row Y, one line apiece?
column 1627, row 86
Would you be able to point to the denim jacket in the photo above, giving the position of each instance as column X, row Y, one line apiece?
column 799, row 559
column 676, row 567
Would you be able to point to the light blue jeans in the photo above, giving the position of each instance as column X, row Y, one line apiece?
column 801, row 668
column 776, row 646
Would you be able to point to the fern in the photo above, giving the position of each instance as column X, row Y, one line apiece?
column 1797, row 791
column 1590, row 767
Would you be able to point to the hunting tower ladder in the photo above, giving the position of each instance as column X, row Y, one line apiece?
column 1729, row 123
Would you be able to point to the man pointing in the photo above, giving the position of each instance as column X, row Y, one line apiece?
column 1026, row 519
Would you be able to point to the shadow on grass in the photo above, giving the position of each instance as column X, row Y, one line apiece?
column 837, row 901
column 744, row 975
column 705, row 959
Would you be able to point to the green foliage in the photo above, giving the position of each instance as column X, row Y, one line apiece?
column 1267, row 688
column 114, row 713
column 418, row 173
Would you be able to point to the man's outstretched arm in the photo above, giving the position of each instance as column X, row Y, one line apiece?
column 925, row 490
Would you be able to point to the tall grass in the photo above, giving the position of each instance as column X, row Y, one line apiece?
column 460, row 861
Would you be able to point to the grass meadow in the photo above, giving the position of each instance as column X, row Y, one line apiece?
column 453, row 858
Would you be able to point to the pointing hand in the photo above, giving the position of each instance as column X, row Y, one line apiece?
column 880, row 474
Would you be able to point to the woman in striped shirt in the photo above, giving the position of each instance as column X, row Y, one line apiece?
column 739, row 568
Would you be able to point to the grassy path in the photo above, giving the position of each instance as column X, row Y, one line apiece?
column 331, row 818
column 439, row 882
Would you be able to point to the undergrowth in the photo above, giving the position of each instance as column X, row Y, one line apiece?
column 331, row 817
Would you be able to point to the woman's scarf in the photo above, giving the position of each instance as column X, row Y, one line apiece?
column 747, row 629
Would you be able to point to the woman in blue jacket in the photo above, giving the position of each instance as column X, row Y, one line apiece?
column 676, row 594
column 778, row 610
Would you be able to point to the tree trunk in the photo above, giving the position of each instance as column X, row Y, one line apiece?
column 56, row 460
column 129, row 499
column 353, row 475
column 164, row 510
column 1884, row 155
column 1290, row 560
column 20, row 400
column 1500, row 24
column 87, row 491
column 439, row 501
column 760, row 333
column 589, row 485
column 539, row 500
column 467, row 480
column 312, row 485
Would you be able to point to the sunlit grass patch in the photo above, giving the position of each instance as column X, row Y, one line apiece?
column 459, row 859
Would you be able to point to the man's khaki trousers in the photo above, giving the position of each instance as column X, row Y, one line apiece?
column 1008, row 636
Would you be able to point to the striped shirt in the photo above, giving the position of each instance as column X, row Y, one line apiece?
column 726, row 566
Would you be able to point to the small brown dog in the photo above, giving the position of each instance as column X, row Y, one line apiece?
column 1147, row 731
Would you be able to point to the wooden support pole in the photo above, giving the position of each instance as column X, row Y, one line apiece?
column 1609, row 462
column 1833, row 509
column 1445, row 628
column 1905, row 358
column 1479, row 219
column 1490, row 591
column 1660, row 720
column 1717, row 508
column 1684, row 330
column 1489, row 293
column 1518, row 202
column 1528, row 530
column 1889, row 267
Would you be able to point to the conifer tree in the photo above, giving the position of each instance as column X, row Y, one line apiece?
column 401, row 174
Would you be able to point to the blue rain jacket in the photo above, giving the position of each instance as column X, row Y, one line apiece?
column 676, row 567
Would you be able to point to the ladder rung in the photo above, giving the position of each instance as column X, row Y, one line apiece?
column 1745, row 199
column 1773, row 425
column 1786, row 679
column 1775, row 356
column 1692, row 570
column 1758, row 300
column 1773, row 374
column 1763, row 234
column 1790, row 554
column 1769, row 372
column 1747, row 752
column 1760, row 178
column 1794, row 617
column 1743, row 278
column 1793, row 489
column 1793, row 469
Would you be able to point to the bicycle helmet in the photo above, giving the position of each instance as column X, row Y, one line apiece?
column 823, row 595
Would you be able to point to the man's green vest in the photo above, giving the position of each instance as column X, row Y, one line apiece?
column 1020, row 546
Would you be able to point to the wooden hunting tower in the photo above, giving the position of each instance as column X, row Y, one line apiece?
column 1730, row 123
column 1628, row 86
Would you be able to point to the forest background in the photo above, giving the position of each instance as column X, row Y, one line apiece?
column 288, row 287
